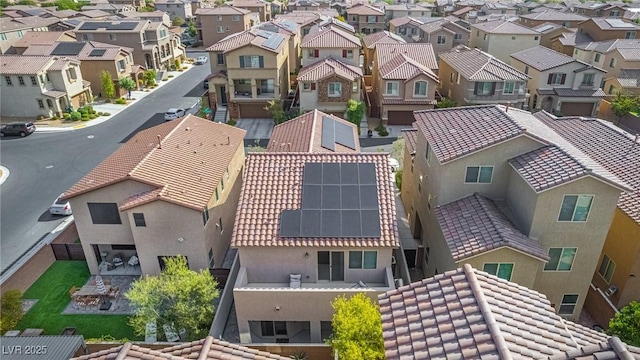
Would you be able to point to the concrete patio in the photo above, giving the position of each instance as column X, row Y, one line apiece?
column 119, row 305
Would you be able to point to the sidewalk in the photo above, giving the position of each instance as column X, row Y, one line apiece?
column 111, row 108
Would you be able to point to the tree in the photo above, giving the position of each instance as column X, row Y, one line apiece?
column 10, row 310
column 446, row 103
column 622, row 104
column 397, row 150
column 177, row 21
column 108, row 89
column 355, row 112
column 149, row 77
column 626, row 324
column 192, row 29
column 357, row 328
column 274, row 107
column 179, row 297
column 128, row 84
column 27, row 2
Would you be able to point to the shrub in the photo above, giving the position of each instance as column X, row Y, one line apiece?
column 176, row 63
column 92, row 116
column 383, row 132
column 66, row 116
column 399, row 179
column 40, row 117
column 10, row 310
column 75, row 116
column 106, row 114
column 54, row 117
column 231, row 122
column 120, row 101
column 100, row 113
column 170, row 76
column 185, row 67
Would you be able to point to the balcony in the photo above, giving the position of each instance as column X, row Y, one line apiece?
column 242, row 89
column 266, row 89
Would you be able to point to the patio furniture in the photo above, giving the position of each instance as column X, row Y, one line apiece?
column 117, row 261
column 32, row 332
column 294, row 280
column 133, row 261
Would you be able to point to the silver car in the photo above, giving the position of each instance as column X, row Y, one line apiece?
column 60, row 207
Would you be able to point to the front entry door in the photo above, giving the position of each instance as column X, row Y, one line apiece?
column 223, row 95
column 331, row 265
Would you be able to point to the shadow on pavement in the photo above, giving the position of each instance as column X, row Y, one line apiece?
column 47, row 216
column 197, row 91
column 156, row 119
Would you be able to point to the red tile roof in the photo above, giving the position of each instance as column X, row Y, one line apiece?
column 128, row 351
column 402, row 67
column 185, row 169
column 330, row 37
column 364, row 9
column 410, row 139
column 381, row 37
column 304, row 134
column 252, row 37
column 21, row 65
column 329, row 67
column 477, row 65
column 467, row 313
column 422, row 53
column 405, row 20
column 503, row 27
column 273, row 183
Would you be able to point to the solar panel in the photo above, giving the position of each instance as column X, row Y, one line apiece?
column 617, row 23
column 97, row 52
column 273, row 41
column 310, row 223
column 122, row 26
column 370, row 221
column 545, row 28
column 331, row 223
column 312, row 197
column 367, row 173
column 328, row 140
column 264, row 34
column 68, row 48
column 290, row 223
column 368, row 197
column 331, row 197
column 351, row 223
column 349, row 173
column 331, row 173
column 92, row 25
column 312, row 173
column 350, row 197
column 344, row 135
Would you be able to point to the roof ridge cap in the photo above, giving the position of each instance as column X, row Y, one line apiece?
column 491, row 217
column 490, row 320
column 122, row 354
column 206, row 346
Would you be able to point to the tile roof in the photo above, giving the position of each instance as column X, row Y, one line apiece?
column 550, row 15
column 606, row 24
column 504, row 27
column 401, row 101
column 253, row 37
column 273, row 183
column 249, row 3
column 477, row 65
column 467, row 313
column 304, row 134
column 548, row 27
column 41, row 37
column 609, row 45
column 474, row 225
column 381, row 37
column 629, row 78
column 404, row 20
column 364, row 9
column 225, row 9
column 542, row 58
column 18, row 64
column 330, row 37
column 84, row 53
column 613, row 149
column 23, row 23
column 463, row 11
column 128, row 351
column 574, row 38
column 402, row 67
column 328, row 67
column 613, row 349
column 211, row 348
column 579, row 93
column 410, row 139
column 187, row 167
column 548, row 167
column 422, row 53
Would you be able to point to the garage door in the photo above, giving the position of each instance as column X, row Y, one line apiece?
column 577, row 109
column 253, row 111
column 400, row 117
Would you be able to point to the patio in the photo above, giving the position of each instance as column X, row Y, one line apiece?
column 119, row 304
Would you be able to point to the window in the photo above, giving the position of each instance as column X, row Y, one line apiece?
column 211, row 259
column 452, row 77
column 138, row 218
column 363, row 259
column 163, row 33
column 235, row 18
column 273, row 328
column 354, row 87
column 479, row 174
column 228, row 174
column 556, row 79
column 575, row 207
column 121, row 65
column 442, row 39
column 50, row 103
column 347, row 54
column 420, row 88
column 112, row 37
column 373, row 18
column 3, row 36
column 597, row 58
column 457, row 37
column 251, row 61
column 220, row 225
column 220, row 29
column 87, row 37
column 612, row 89
column 71, row 73
column 485, row 36
column 568, row 305
column 34, row 81
column 48, row 79
column 427, row 251
column 575, row 52
column 560, row 259
column 8, row 80
column 306, row 86
column 526, row 70
column 21, row 34
column 40, row 104
column 501, row 270
column 392, row 88
column 630, row 35
column 222, row 184
column 484, row 88
column 314, row 53
column 216, row 195
column 205, row 216
column 20, row 80
column 426, row 153
column 123, row 247
column 335, row 89
column 219, row 18
column 509, row 87
column 614, row 13
column 587, row 79
column 104, row 213
column 612, row 63
column 536, row 38
column 513, row 38
column 220, row 59
column 607, row 267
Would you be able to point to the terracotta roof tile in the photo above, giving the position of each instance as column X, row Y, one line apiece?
column 187, row 167
column 405, row 20
column 18, row 64
column 475, row 225
column 129, row 351
column 304, row 134
column 477, row 65
column 364, row 9
column 273, row 183
column 210, row 348
column 404, row 68
column 330, row 37
column 328, row 67
column 252, row 37
column 400, row 101
column 503, row 27
column 422, row 53
column 467, row 313
column 542, row 58
column 381, row 37
column 222, row 10
column 550, row 15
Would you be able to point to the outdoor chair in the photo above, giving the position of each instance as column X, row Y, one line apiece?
column 294, row 280
column 133, row 261
column 117, row 260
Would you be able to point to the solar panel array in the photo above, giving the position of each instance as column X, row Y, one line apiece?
column 95, row 25
column 273, row 41
column 263, row 33
column 338, row 200
column 97, row 52
column 68, row 48
column 618, row 23
column 336, row 132
column 545, row 28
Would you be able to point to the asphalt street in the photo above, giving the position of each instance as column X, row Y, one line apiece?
column 43, row 165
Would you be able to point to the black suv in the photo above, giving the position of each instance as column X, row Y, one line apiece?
column 17, row 128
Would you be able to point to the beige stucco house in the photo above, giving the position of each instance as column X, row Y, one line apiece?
column 366, row 18
column 369, row 43
column 12, row 30
column 601, row 29
column 292, row 29
column 175, row 8
column 501, row 38
column 39, row 37
column 564, row 19
column 509, row 196
column 610, row 55
column 299, row 249
column 260, row 7
column 41, row 85
column 170, row 190
column 395, row 11
column 214, row 24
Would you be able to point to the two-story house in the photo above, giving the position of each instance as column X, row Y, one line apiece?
column 311, row 227
column 404, row 79
column 153, row 16
column 248, row 69
column 502, row 38
column 370, row 41
column 154, row 45
column 495, row 188
column 471, row 76
column 566, row 19
column 41, row 85
column 560, row 83
column 601, row 29
column 498, row 8
column 170, row 190
column 175, row 8
column 611, row 55
column 408, row 27
column 615, row 282
column 598, row 9
column 261, row 7
column 626, row 82
column 443, row 35
column 12, row 30
column 567, row 41
column 39, row 37
column 292, row 29
column 95, row 57
column 408, row 9
column 366, row 18
column 551, row 31
column 214, row 24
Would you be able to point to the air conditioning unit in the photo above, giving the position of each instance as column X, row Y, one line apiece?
column 399, row 283
column 612, row 290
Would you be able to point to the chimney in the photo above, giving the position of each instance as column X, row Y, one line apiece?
column 159, row 142
column 228, row 140
column 507, row 108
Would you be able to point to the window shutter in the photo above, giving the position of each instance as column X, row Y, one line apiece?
column 242, row 61
column 344, row 53
column 550, row 79
column 475, row 88
column 261, row 59
column 316, row 53
column 313, row 86
column 564, row 77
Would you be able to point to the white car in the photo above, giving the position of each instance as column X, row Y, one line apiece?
column 60, row 207
column 395, row 165
column 173, row 114
column 201, row 60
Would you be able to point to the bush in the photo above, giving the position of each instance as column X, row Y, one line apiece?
column 185, row 67
column 40, row 117
column 10, row 310
column 75, row 116
column 399, row 179
column 92, row 116
column 231, row 122
column 106, row 114
column 54, row 117
column 170, row 76
column 66, row 116
column 120, row 101
column 383, row 132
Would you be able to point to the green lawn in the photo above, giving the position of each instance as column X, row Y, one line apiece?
column 52, row 292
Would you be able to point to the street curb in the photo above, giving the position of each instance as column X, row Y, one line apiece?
column 5, row 174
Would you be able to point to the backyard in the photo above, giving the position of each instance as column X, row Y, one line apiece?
column 52, row 292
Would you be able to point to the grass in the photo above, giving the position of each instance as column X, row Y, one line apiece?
column 52, row 292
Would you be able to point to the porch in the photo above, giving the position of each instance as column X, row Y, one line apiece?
column 117, row 260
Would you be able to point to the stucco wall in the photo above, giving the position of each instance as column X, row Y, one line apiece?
column 335, row 53
column 502, row 46
column 209, row 25
column 524, row 270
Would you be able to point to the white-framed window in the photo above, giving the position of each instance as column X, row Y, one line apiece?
column 71, row 72
column 556, row 79
column 251, row 61
column 457, row 36
column 220, row 58
column 314, row 53
column 607, row 267
column 335, row 89
column 220, row 28
column 485, row 36
column 373, row 18
column 306, row 86
column 8, row 80
column 40, row 103
column 597, row 58
column 34, row 81
column 211, row 258
column 220, row 225
column 575, row 208
column 560, row 259
column 478, row 175
column 612, row 63
column 526, row 70
column 442, row 39
column 163, row 33
column 3, row 36
column 121, row 65
column 509, row 87
column 21, row 34
column 484, row 88
column 630, row 35
column 501, row 270
column 587, row 79
column 568, row 305
column 363, row 259
column 219, row 18
column 420, row 88
column 235, row 18
column 354, row 87
column 21, row 80
column 392, row 88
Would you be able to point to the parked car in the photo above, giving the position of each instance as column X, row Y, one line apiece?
column 17, row 128
column 60, row 207
column 201, row 60
column 173, row 114
column 395, row 165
